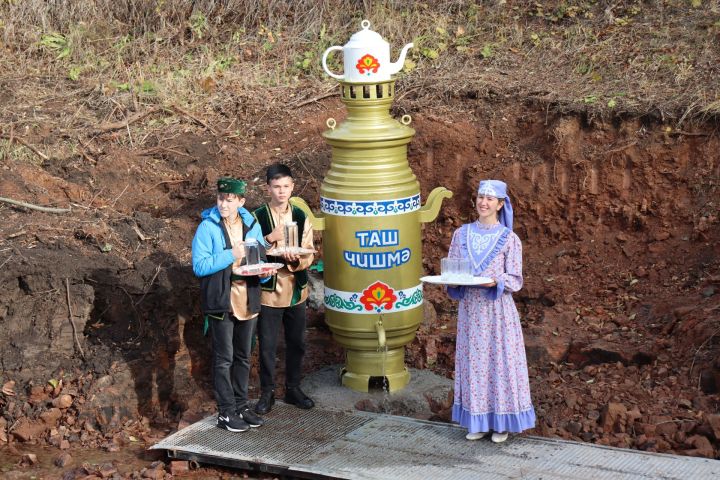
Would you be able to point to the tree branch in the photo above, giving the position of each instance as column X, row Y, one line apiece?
column 22, row 142
column 34, row 207
column 109, row 127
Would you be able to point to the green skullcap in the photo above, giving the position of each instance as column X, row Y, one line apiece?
column 231, row 185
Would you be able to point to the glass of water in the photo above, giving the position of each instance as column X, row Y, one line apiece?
column 454, row 269
column 291, row 236
column 252, row 252
column 444, row 268
column 466, row 270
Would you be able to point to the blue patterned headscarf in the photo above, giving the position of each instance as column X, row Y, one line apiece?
column 498, row 189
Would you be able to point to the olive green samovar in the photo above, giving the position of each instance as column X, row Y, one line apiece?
column 372, row 250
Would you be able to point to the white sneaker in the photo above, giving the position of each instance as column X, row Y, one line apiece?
column 475, row 436
column 499, row 437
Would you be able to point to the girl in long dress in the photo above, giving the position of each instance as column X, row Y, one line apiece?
column 492, row 391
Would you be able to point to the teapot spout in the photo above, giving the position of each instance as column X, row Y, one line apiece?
column 397, row 66
column 430, row 210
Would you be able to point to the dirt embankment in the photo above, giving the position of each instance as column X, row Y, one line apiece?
column 621, row 310
column 619, row 224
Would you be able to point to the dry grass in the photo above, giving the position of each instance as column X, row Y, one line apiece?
column 233, row 59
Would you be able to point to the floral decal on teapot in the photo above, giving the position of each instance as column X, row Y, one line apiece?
column 367, row 64
column 358, row 302
column 378, row 296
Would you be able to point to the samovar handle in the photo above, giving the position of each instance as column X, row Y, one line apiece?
column 318, row 222
column 430, row 210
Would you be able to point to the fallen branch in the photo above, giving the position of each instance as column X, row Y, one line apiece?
column 408, row 91
column 692, row 365
column 6, row 261
column 192, row 117
column 72, row 322
column 109, row 127
column 689, row 134
column 315, row 99
column 13, row 138
column 620, row 149
column 16, row 234
column 34, row 207
column 118, row 197
column 154, row 150
column 94, row 197
column 86, row 156
column 148, row 286
column 140, row 235
column 165, row 182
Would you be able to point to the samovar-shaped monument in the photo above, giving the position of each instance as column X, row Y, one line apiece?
column 370, row 217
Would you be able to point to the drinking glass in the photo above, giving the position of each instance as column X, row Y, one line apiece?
column 291, row 236
column 454, row 267
column 444, row 268
column 465, row 270
column 252, row 252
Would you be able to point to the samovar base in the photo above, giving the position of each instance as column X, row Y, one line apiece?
column 384, row 369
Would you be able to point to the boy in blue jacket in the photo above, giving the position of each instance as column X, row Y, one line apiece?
column 230, row 303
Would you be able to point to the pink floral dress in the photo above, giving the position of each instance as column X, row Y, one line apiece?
column 492, row 391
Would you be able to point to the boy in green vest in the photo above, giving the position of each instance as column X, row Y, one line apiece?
column 283, row 298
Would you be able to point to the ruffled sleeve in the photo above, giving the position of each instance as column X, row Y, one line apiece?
column 511, row 280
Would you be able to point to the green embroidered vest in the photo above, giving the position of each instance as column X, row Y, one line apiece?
column 265, row 219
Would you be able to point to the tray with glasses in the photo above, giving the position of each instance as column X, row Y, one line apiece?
column 471, row 281
column 457, row 271
column 279, row 251
column 252, row 260
column 290, row 243
column 256, row 269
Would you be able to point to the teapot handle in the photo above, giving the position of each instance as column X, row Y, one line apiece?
column 324, row 63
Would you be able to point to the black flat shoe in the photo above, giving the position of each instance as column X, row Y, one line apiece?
column 264, row 405
column 295, row 396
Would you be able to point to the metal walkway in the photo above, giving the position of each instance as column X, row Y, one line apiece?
column 331, row 444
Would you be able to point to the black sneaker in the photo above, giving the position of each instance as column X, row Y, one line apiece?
column 232, row 423
column 250, row 417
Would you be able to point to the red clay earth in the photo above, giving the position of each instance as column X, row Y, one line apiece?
column 621, row 311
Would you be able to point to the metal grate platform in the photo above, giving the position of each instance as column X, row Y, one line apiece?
column 330, row 444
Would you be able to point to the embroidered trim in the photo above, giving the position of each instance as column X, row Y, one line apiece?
column 500, row 238
column 487, row 189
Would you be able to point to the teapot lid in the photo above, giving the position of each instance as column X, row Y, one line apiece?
column 365, row 36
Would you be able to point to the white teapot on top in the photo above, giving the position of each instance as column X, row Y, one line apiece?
column 366, row 57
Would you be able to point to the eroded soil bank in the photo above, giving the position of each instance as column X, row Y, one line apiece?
column 621, row 310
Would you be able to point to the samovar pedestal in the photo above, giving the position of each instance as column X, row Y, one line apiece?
column 363, row 369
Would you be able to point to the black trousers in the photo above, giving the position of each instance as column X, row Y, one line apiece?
column 231, row 342
column 293, row 321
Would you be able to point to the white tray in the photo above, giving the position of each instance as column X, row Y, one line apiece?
column 277, row 252
column 437, row 279
column 258, row 269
